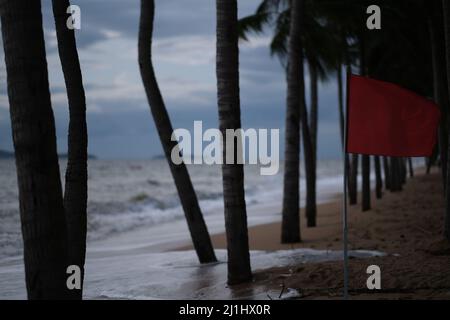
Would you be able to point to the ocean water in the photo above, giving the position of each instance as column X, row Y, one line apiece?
column 138, row 197
column 174, row 275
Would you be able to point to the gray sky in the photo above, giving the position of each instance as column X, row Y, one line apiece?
column 119, row 120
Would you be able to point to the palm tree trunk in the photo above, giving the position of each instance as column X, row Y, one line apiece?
column 341, row 104
column 310, row 162
column 197, row 227
column 387, row 173
column 396, row 184
column 314, row 107
column 353, row 192
column 290, row 230
column 446, row 10
column 341, row 121
column 434, row 19
column 403, row 170
column 365, row 163
column 75, row 191
column 40, row 191
column 411, row 169
column 353, row 172
column 379, row 179
column 309, row 131
column 227, row 69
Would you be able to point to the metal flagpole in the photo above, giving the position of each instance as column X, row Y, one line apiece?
column 344, row 229
column 344, row 200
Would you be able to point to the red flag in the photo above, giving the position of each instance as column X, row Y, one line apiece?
column 385, row 119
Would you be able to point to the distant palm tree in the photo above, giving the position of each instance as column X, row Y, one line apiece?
column 387, row 173
column 318, row 44
column 378, row 178
column 197, row 227
column 227, row 69
column 40, row 191
column 411, row 168
column 75, row 191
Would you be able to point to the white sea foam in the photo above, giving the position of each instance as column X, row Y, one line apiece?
column 169, row 275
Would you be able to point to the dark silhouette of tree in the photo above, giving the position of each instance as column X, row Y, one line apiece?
column 318, row 44
column 76, row 188
column 365, row 159
column 227, row 69
column 395, row 171
column 411, row 168
column 387, row 173
column 290, row 231
column 446, row 11
column 40, row 192
column 379, row 181
column 197, row 227
column 433, row 10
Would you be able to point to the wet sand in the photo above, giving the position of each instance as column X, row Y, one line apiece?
column 406, row 225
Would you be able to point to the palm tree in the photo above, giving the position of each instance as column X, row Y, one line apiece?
column 295, row 97
column 411, row 168
column 365, row 161
column 318, row 44
column 446, row 11
column 387, row 173
column 353, row 180
column 395, row 171
column 227, row 69
column 40, row 191
column 436, row 35
column 379, row 181
column 197, row 227
column 75, row 191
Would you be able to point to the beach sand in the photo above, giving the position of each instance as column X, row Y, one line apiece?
column 407, row 226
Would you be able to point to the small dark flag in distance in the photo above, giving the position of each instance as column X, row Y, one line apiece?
column 386, row 119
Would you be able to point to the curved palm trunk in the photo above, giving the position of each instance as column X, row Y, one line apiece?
column 310, row 147
column 186, row 192
column 40, row 192
column 290, row 229
column 227, row 69
column 75, row 191
column 446, row 7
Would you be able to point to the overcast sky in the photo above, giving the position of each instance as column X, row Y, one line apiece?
column 119, row 120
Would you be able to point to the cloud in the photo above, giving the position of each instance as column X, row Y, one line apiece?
column 120, row 124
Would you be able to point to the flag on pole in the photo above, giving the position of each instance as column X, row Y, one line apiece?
column 385, row 119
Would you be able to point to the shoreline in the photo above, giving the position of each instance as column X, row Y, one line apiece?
column 406, row 225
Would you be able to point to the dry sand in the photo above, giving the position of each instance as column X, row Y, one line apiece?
column 406, row 225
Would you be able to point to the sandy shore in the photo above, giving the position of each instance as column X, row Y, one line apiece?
column 407, row 225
